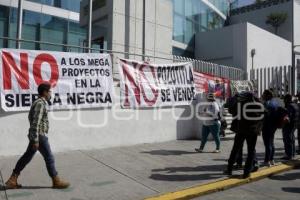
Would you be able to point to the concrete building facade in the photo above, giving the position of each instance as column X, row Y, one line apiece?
column 232, row 45
column 123, row 27
column 250, row 48
column 257, row 14
column 158, row 28
column 130, row 28
column 46, row 25
column 290, row 30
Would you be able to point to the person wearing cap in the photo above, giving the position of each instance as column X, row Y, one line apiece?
column 211, row 123
column 38, row 141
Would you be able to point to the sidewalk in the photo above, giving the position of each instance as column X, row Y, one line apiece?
column 127, row 173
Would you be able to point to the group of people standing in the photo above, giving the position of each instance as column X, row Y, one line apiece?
column 253, row 117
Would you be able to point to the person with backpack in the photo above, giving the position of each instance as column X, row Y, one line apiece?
column 269, row 126
column 248, row 124
column 289, row 128
column 211, row 123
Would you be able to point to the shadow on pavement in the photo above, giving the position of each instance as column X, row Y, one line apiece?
column 221, row 159
column 286, row 177
column 207, row 173
column 277, row 155
column 291, row 189
column 34, row 187
column 168, row 152
column 227, row 138
column 184, row 177
column 2, row 188
column 260, row 156
column 202, row 168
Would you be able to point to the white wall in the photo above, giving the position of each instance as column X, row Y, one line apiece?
column 226, row 46
column 258, row 17
column 128, row 28
column 232, row 46
column 271, row 50
column 100, row 128
column 210, row 46
column 297, row 24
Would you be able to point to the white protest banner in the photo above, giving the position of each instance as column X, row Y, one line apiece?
column 78, row 80
column 155, row 85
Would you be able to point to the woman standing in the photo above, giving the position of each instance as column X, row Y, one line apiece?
column 211, row 123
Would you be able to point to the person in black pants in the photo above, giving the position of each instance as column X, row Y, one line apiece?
column 298, row 136
column 289, row 128
column 239, row 161
column 248, row 126
column 269, row 126
column 298, row 124
column 230, row 104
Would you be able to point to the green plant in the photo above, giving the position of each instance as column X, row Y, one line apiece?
column 216, row 20
column 276, row 20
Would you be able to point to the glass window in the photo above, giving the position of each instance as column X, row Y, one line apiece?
column 43, row 28
column 96, row 5
column 54, row 30
column 4, row 12
column 100, row 41
column 223, row 6
column 31, row 29
column 193, row 16
column 72, row 5
column 76, row 36
column 36, row 1
column 189, row 31
column 182, row 52
column 179, row 6
column 178, row 31
column 189, row 8
column 13, row 27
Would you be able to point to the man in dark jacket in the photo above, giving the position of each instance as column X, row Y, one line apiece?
column 269, row 126
column 298, row 124
column 249, row 112
column 289, row 128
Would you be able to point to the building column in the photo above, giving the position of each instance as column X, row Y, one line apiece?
column 90, row 19
column 19, row 28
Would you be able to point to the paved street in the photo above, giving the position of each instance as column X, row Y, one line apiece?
column 127, row 173
column 285, row 186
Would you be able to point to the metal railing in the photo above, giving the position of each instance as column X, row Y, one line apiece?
column 231, row 73
column 199, row 65
column 281, row 79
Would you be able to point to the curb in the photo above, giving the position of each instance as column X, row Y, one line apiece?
column 227, row 183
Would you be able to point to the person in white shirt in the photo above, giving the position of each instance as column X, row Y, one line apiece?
column 211, row 123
